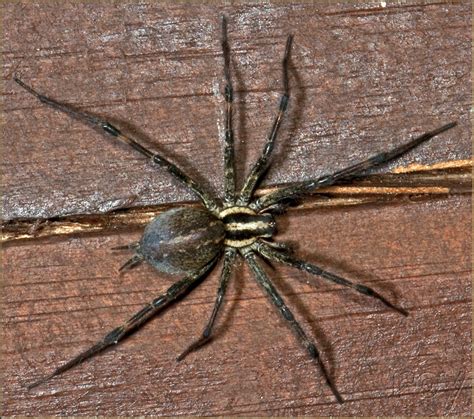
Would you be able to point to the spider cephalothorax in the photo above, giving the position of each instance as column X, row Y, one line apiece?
column 189, row 242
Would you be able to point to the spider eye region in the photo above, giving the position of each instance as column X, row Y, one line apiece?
column 180, row 241
column 243, row 226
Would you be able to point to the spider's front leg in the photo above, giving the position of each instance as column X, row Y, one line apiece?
column 282, row 256
column 304, row 188
column 134, row 322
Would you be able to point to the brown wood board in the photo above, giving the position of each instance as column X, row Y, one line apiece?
column 364, row 77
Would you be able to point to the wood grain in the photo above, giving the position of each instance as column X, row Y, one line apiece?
column 364, row 77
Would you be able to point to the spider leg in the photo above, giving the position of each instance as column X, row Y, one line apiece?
column 107, row 127
column 309, row 186
column 262, row 163
column 283, row 247
column 133, row 323
column 276, row 299
column 229, row 169
column 283, row 257
column 206, row 334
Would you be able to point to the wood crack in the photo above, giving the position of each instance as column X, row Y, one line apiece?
column 406, row 184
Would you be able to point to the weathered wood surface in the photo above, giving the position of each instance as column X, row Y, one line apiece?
column 364, row 77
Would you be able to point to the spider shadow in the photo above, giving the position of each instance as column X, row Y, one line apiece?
column 240, row 150
column 145, row 139
column 344, row 269
column 304, row 315
column 347, row 271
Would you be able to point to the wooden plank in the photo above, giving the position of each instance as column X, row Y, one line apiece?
column 61, row 296
column 364, row 77
column 374, row 189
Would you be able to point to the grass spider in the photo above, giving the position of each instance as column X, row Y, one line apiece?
column 189, row 241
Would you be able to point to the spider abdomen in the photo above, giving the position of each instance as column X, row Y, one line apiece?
column 182, row 240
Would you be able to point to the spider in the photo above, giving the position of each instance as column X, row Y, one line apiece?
column 190, row 241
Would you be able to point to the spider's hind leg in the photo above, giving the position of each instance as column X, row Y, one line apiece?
column 106, row 127
column 134, row 322
column 206, row 334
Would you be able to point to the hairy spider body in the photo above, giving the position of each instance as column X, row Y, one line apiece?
column 182, row 240
column 243, row 226
column 189, row 242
